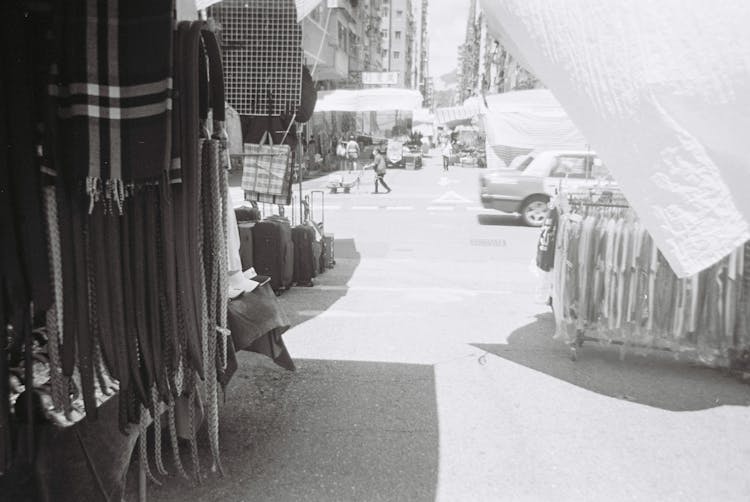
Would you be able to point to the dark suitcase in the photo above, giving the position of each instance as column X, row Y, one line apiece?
column 316, row 213
column 306, row 260
column 246, row 243
column 327, row 258
column 273, row 251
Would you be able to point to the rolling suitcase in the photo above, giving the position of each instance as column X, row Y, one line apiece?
column 246, row 243
column 317, row 208
column 246, row 217
column 273, row 251
column 306, row 261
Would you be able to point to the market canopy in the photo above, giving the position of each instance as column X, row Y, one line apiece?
column 518, row 122
column 453, row 115
column 368, row 100
column 661, row 90
column 422, row 116
column 304, row 7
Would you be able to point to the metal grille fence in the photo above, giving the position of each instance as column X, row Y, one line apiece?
column 262, row 51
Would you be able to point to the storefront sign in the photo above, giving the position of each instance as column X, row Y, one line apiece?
column 380, row 78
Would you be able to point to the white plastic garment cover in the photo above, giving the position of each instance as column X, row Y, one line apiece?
column 368, row 100
column 661, row 90
column 531, row 120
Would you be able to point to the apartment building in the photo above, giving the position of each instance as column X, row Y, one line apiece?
column 399, row 30
column 341, row 39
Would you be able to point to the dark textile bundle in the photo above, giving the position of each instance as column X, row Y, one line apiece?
column 113, row 92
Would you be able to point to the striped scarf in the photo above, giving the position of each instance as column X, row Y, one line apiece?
column 112, row 89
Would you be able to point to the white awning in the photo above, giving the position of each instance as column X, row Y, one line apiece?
column 529, row 120
column 304, row 7
column 661, row 90
column 368, row 100
column 449, row 114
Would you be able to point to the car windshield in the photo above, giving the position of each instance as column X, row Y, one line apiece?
column 540, row 166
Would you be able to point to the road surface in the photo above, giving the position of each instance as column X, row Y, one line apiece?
column 427, row 370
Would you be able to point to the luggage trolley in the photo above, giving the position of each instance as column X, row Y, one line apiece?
column 346, row 179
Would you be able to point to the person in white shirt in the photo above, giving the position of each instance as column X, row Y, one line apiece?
column 447, row 152
column 352, row 151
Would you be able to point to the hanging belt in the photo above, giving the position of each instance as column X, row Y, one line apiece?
column 129, row 316
column 185, row 224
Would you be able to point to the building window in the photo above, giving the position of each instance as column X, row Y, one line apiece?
column 385, row 11
column 396, row 54
column 398, row 35
column 384, row 33
column 399, row 13
column 385, row 53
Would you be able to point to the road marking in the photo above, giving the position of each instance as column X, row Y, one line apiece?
column 399, row 208
column 440, row 208
column 444, row 181
column 333, row 208
column 452, row 197
column 365, row 208
column 477, row 208
column 407, row 289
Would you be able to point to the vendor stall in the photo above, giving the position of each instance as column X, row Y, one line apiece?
column 610, row 284
column 116, row 308
column 671, row 128
column 666, row 269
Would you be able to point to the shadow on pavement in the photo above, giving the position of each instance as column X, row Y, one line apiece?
column 505, row 220
column 657, row 379
column 334, row 430
column 302, row 304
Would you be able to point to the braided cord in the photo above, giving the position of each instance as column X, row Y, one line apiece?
column 193, row 439
column 224, row 265
column 215, row 263
column 158, row 457
column 59, row 383
column 143, row 446
column 172, row 422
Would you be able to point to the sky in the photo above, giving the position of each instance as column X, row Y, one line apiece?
column 447, row 29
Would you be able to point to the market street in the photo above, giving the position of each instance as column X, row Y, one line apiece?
column 427, row 370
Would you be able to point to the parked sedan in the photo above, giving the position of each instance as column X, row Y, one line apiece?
column 528, row 192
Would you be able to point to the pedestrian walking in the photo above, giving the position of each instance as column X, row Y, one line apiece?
column 447, row 152
column 341, row 154
column 352, row 151
column 379, row 166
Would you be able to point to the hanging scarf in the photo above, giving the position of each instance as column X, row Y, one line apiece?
column 113, row 92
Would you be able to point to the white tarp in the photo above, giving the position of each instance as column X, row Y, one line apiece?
column 304, row 7
column 448, row 114
column 661, row 90
column 368, row 100
column 423, row 116
column 529, row 120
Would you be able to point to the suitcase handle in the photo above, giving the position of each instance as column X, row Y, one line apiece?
column 313, row 206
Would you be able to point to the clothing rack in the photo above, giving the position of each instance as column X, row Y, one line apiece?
column 595, row 281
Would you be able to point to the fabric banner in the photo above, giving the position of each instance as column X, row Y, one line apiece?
column 366, row 100
column 661, row 91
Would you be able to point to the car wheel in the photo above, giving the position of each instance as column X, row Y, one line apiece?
column 535, row 210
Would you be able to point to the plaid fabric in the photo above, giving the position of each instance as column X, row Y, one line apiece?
column 112, row 87
column 266, row 173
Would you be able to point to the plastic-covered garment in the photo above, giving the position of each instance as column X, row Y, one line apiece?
column 661, row 91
